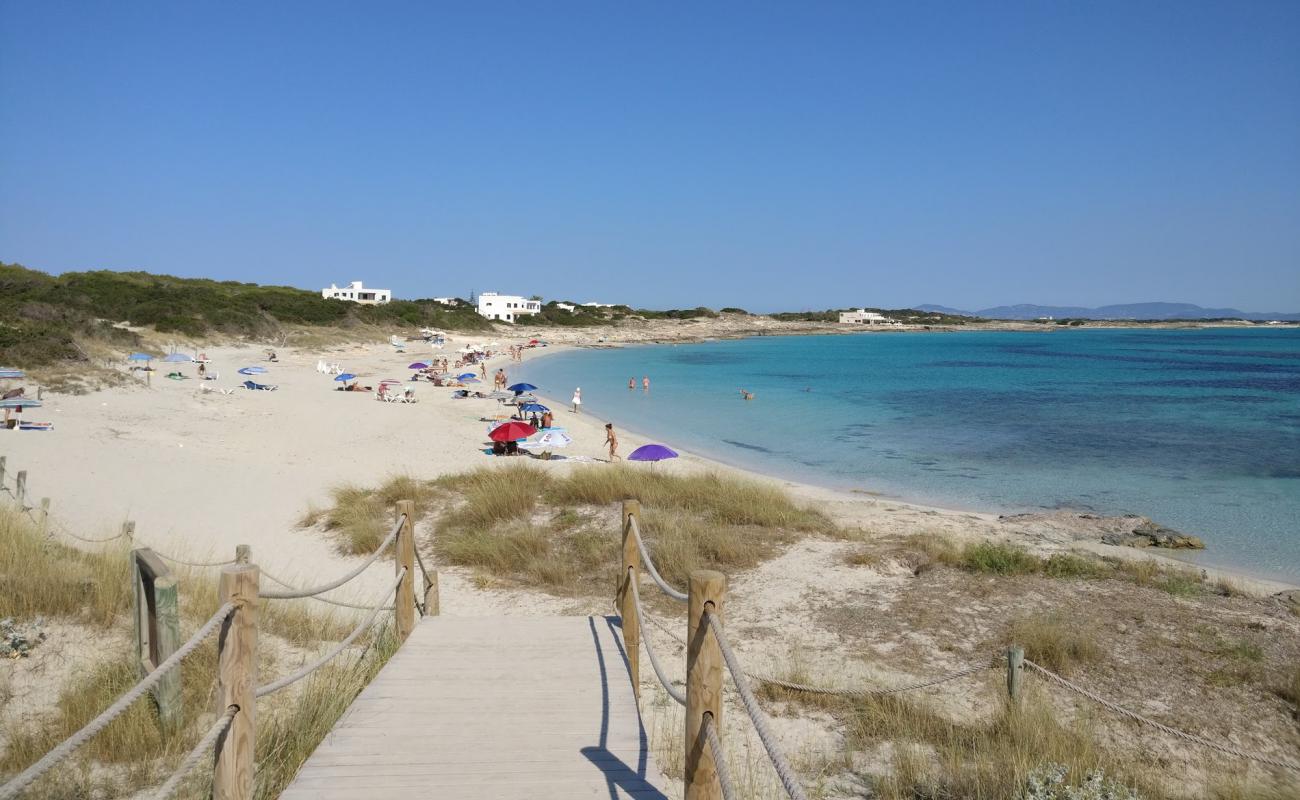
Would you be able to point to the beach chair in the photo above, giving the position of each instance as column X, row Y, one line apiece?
column 260, row 387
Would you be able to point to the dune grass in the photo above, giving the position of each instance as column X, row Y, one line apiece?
column 362, row 517
column 1055, row 642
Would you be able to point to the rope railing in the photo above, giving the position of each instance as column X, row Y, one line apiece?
column 649, row 563
column 185, row 563
column 756, row 715
column 294, row 677
column 76, row 740
column 336, row 583
column 1136, row 717
column 316, row 597
column 233, row 735
column 205, row 744
column 673, row 691
column 720, row 766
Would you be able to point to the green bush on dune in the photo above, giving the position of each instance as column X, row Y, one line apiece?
column 42, row 316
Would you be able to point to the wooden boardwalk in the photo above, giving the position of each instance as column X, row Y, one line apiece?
column 507, row 707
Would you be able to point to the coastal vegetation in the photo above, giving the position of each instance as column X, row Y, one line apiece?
column 86, row 596
column 46, row 319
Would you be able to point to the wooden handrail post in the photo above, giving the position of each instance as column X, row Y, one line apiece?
column 432, row 603
column 20, row 490
column 1015, row 672
column 128, row 529
column 631, row 574
column 3, row 459
column 405, row 559
column 232, row 777
column 703, row 683
column 45, row 516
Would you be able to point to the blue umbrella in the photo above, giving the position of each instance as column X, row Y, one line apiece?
column 464, row 376
column 651, row 452
column 20, row 402
column 139, row 357
column 8, row 372
column 346, row 376
column 174, row 358
column 538, row 407
column 253, row 371
column 520, row 388
column 468, row 380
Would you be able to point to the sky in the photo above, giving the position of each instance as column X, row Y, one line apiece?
column 772, row 156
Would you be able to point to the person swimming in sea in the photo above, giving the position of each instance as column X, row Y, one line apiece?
column 746, row 394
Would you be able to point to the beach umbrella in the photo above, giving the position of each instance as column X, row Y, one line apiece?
column 651, row 452
column 550, row 440
column 538, row 407
column 11, row 373
column 176, row 358
column 511, row 431
column 139, row 357
column 417, row 365
column 20, row 402
column 464, row 376
column 520, row 388
column 253, row 371
column 346, row 376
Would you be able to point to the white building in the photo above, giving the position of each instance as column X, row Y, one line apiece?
column 598, row 305
column 506, row 307
column 446, row 301
column 569, row 307
column 357, row 293
column 864, row 317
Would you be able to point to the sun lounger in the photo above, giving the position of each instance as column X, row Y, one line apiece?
column 261, row 387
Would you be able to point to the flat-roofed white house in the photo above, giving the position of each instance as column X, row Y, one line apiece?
column 566, row 306
column 357, row 293
column 507, row 307
column 598, row 305
column 864, row 317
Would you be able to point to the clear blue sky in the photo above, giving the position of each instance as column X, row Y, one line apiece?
column 795, row 155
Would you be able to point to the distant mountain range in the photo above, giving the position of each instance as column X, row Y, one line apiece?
column 1121, row 311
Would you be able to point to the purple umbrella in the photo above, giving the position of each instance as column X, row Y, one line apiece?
column 418, row 365
column 651, row 452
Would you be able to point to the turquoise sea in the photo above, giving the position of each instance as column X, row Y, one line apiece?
column 1198, row 429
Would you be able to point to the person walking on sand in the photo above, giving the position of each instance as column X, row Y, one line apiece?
column 611, row 439
column 645, row 382
column 577, row 400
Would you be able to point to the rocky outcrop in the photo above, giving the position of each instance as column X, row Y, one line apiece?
column 1128, row 530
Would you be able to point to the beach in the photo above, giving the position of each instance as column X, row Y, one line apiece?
column 200, row 472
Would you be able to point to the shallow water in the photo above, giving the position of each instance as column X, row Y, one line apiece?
column 1199, row 429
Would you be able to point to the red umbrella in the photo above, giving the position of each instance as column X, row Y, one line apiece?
column 511, row 431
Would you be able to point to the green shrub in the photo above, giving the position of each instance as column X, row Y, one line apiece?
column 999, row 559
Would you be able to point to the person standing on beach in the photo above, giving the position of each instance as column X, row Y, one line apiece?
column 611, row 439
column 482, row 369
column 577, row 400
column 645, row 382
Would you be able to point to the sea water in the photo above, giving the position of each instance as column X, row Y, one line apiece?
column 1198, row 429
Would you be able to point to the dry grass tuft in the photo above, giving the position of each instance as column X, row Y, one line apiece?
column 47, row 578
column 1055, row 642
column 361, row 517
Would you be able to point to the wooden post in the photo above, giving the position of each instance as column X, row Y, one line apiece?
column 631, row 572
column 703, row 683
column 405, row 559
column 158, row 632
column 20, row 492
column 40, row 392
column 1015, row 672
column 45, row 516
column 2, row 471
column 232, row 777
column 432, row 604
column 128, row 529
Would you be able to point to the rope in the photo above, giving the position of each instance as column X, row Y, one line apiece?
column 166, row 557
column 1136, row 717
column 719, row 757
column 673, row 691
column 205, row 744
column 650, row 564
column 13, row 787
column 339, row 603
column 290, row 595
column 293, row 677
column 788, row 779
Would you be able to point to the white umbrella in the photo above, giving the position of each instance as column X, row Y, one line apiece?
column 550, row 439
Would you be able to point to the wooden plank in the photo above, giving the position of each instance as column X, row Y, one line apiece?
column 499, row 708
